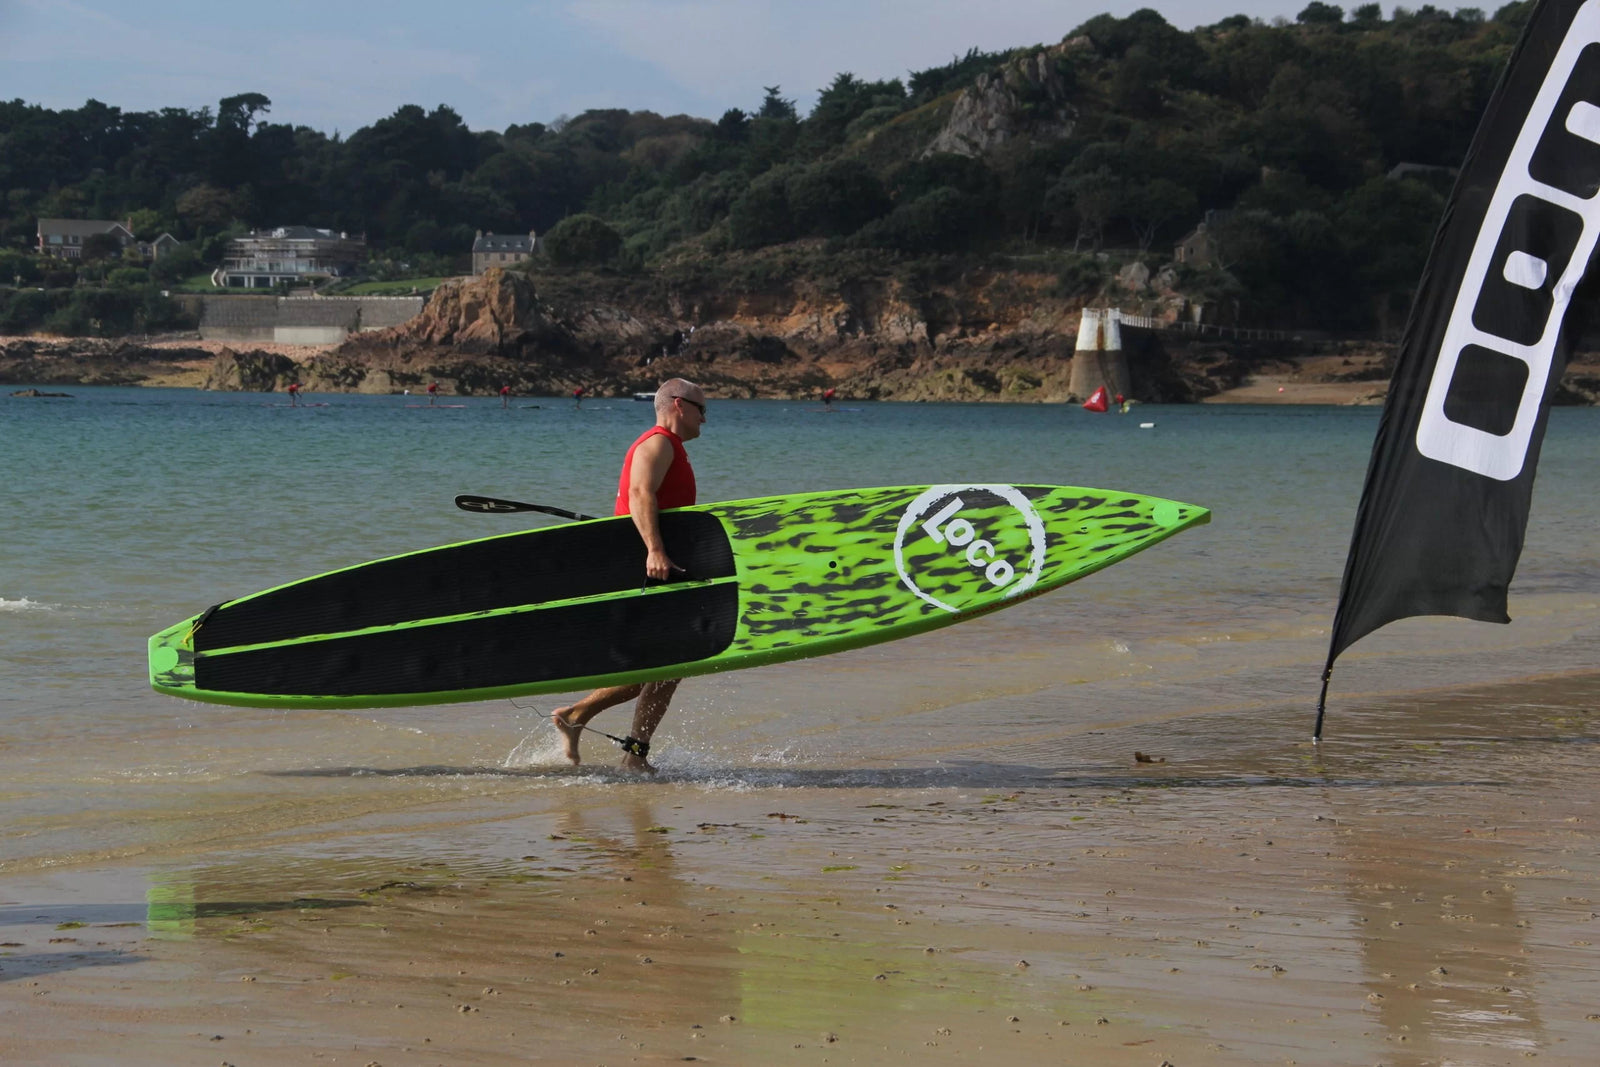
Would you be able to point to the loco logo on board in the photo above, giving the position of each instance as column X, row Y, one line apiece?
column 959, row 545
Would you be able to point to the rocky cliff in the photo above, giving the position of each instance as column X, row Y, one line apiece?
column 1028, row 96
column 981, row 334
column 977, row 334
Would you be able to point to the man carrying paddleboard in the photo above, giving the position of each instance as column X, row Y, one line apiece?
column 655, row 475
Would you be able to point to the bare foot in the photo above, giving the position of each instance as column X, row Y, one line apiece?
column 569, row 733
column 636, row 764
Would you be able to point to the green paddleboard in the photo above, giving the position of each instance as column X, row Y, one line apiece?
column 566, row 608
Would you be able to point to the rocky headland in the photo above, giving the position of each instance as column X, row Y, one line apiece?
column 984, row 335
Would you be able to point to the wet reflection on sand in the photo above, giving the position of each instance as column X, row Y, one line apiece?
column 1415, row 893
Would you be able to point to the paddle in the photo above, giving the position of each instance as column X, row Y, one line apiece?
column 491, row 505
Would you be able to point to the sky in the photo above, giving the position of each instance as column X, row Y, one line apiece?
column 338, row 65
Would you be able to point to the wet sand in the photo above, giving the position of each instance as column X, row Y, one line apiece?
column 1421, row 890
column 1292, row 389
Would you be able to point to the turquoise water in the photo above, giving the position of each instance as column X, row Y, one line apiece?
column 129, row 509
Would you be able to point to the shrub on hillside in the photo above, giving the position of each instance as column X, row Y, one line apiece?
column 19, row 268
column 836, row 199
column 763, row 215
column 945, row 220
column 90, row 312
column 582, row 241
column 128, row 277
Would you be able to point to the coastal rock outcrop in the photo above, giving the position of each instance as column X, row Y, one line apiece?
column 495, row 313
column 885, row 331
column 249, row 372
column 1030, row 95
column 99, row 361
column 980, row 335
column 475, row 335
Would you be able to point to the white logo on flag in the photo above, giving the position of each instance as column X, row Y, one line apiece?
column 1439, row 437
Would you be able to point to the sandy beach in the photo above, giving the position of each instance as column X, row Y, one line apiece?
column 1088, row 829
column 1419, row 891
column 1292, row 389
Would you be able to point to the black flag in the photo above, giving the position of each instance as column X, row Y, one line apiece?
column 1445, row 505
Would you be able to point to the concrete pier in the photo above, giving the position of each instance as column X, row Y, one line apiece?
column 1098, row 358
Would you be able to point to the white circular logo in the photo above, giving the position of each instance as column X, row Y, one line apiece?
column 991, row 560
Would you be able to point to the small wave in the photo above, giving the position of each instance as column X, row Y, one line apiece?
column 24, row 604
column 535, row 750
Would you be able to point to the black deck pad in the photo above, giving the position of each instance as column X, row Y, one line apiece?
column 574, row 641
column 539, row 566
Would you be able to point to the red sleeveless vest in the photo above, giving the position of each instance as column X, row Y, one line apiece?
column 677, row 488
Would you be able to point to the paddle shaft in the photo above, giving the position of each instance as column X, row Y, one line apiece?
column 492, row 505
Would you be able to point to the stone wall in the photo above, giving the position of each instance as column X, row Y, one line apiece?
column 302, row 321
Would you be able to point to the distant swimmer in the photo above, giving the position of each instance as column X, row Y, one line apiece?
column 433, row 392
column 505, row 396
column 655, row 475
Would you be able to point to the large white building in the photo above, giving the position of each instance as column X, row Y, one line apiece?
column 288, row 255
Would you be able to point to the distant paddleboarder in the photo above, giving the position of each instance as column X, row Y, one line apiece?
column 827, row 396
column 655, row 474
column 433, row 392
column 294, row 394
column 505, row 396
column 577, row 397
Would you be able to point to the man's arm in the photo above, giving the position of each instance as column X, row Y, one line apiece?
column 650, row 463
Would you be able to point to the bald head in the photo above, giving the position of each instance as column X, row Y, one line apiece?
column 675, row 387
column 680, row 407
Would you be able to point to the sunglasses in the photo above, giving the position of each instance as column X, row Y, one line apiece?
column 701, row 407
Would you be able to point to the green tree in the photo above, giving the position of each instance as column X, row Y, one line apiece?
column 1150, row 206
column 176, row 264
column 19, row 268
column 128, row 277
column 148, row 223
column 774, row 106
column 1176, row 54
column 1367, row 16
column 1087, row 201
column 209, row 208
column 837, row 198
column 944, row 220
column 762, row 215
column 960, row 72
column 27, row 309
column 1318, row 13
column 840, row 104
column 101, row 246
column 1387, row 228
column 733, row 127
column 582, row 241
column 1136, row 87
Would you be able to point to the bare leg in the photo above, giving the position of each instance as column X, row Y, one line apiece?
column 570, row 719
column 647, row 715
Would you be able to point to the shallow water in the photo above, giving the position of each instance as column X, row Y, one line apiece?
column 129, row 509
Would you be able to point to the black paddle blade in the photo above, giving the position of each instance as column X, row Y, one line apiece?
column 492, row 505
column 484, row 503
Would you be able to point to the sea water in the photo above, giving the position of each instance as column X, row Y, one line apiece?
column 128, row 509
